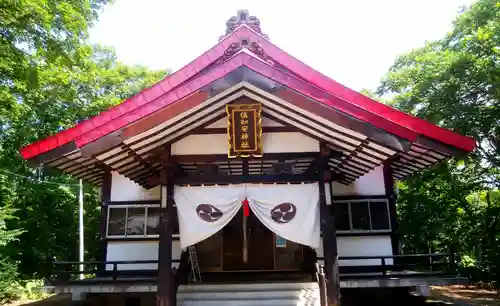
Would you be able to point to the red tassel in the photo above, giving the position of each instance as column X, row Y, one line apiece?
column 246, row 208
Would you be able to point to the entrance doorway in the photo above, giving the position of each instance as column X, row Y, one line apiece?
column 260, row 245
column 266, row 251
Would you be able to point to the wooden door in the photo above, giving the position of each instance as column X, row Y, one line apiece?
column 232, row 246
column 288, row 255
column 209, row 253
column 260, row 245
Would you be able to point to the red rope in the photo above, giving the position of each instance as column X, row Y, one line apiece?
column 246, row 208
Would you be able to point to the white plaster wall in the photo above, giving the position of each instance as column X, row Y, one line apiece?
column 222, row 123
column 201, row 144
column 123, row 189
column 362, row 246
column 288, row 142
column 371, row 183
column 347, row 246
column 138, row 250
column 271, row 143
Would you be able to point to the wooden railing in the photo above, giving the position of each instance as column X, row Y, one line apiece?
column 321, row 279
column 68, row 271
column 401, row 266
column 181, row 275
column 98, row 272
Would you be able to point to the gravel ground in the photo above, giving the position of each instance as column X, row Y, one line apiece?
column 465, row 295
column 447, row 295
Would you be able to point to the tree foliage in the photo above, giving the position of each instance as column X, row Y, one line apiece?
column 50, row 79
column 455, row 83
column 8, row 272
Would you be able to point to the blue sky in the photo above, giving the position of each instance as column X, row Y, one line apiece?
column 351, row 41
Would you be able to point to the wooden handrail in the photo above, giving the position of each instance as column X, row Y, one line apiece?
column 429, row 262
column 394, row 256
column 118, row 262
column 321, row 279
column 180, row 275
column 68, row 273
column 387, row 266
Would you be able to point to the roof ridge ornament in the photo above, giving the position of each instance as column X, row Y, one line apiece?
column 243, row 17
column 239, row 46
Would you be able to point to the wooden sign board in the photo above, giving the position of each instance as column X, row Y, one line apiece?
column 244, row 130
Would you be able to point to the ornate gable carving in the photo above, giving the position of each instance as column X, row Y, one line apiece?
column 243, row 17
column 252, row 46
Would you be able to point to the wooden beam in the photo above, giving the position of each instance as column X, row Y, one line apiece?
column 165, row 276
column 165, row 291
column 241, row 179
column 327, row 224
column 208, row 158
column 53, row 154
column 265, row 129
column 391, row 197
column 245, row 168
column 103, row 220
column 163, row 156
column 441, row 148
column 320, row 164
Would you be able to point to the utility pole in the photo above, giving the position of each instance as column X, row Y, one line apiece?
column 80, row 221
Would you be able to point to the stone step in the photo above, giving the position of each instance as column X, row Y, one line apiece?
column 278, row 294
column 246, row 287
column 258, row 294
column 287, row 302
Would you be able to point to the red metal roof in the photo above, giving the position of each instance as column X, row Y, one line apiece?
column 175, row 87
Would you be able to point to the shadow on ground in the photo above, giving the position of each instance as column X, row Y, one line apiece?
column 55, row 300
column 440, row 296
column 464, row 295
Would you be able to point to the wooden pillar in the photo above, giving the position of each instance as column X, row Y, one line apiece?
column 391, row 197
column 327, row 223
column 103, row 221
column 165, row 277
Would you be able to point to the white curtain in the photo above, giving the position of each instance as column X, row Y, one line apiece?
column 291, row 211
column 203, row 211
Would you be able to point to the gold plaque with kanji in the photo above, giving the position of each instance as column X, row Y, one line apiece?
column 244, row 130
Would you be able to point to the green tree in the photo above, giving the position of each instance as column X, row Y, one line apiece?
column 455, row 83
column 35, row 31
column 8, row 272
column 50, row 79
column 63, row 96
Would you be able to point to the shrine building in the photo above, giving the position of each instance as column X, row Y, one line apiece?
column 247, row 178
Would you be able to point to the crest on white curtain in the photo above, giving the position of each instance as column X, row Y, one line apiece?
column 205, row 210
column 291, row 211
column 283, row 213
column 208, row 213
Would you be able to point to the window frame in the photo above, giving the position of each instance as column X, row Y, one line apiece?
column 126, row 207
column 371, row 230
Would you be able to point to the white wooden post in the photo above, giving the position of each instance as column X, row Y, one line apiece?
column 80, row 221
